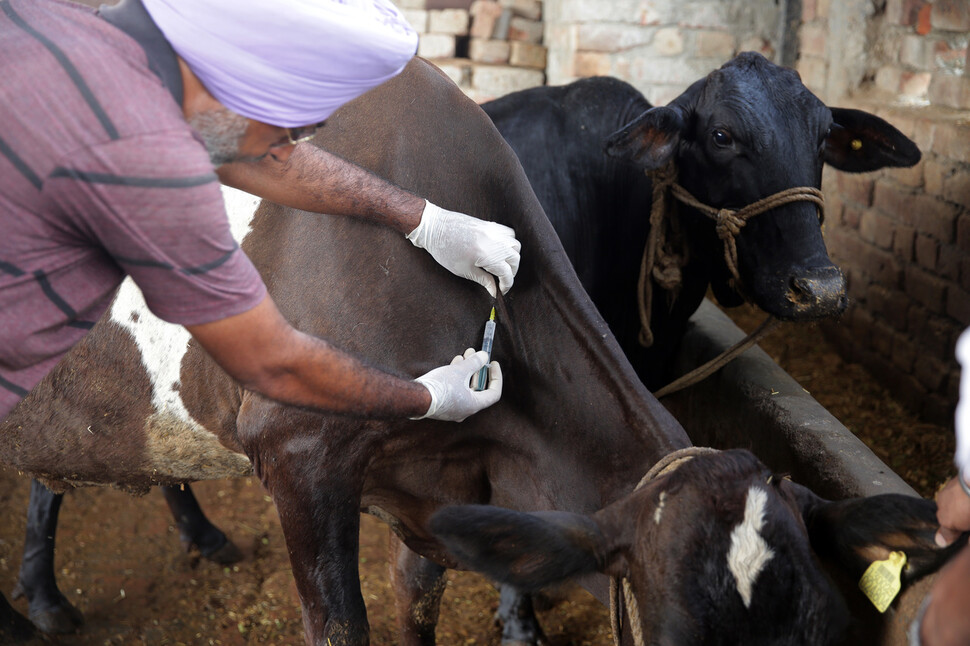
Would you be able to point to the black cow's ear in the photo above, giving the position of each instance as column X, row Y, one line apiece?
column 859, row 141
column 650, row 140
column 526, row 550
column 859, row 531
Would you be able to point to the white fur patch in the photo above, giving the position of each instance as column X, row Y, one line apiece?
column 658, row 512
column 162, row 347
column 749, row 552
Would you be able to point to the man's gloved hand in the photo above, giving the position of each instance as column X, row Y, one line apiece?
column 452, row 399
column 469, row 247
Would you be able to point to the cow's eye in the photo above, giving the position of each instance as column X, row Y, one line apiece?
column 722, row 138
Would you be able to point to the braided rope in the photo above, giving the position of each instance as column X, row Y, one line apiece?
column 729, row 222
column 666, row 464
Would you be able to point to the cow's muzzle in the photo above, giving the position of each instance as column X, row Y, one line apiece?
column 817, row 293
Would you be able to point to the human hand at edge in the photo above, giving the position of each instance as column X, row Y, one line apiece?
column 469, row 247
column 452, row 398
column 953, row 512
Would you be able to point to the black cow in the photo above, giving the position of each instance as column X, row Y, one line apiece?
column 744, row 132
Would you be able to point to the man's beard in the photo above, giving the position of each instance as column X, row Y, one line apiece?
column 222, row 131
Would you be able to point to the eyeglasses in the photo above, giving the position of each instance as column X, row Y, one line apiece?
column 302, row 133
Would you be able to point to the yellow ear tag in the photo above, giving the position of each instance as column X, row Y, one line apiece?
column 881, row 581
column 856, row 144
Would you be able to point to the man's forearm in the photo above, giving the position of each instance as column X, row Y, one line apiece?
column 315, row 180
column 260, row 350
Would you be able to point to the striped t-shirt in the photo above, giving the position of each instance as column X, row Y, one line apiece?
column 100, row 176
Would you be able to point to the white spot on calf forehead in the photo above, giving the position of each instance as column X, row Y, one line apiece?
column 749, row 552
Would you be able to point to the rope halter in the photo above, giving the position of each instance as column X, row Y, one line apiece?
column 728, row 224
column 667, row 464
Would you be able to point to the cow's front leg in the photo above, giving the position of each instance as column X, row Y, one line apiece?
column 315, row 476
column 195, row 530
column 418, row 586
column 49, row 610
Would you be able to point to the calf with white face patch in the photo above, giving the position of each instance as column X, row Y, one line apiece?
column 715, row 552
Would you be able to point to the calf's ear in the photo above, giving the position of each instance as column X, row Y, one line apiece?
column 859, row 531
column 526, row 550
column 859, row 141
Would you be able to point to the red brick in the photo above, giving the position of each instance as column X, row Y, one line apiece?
column 870, row 224
column 925, row 288
column 889, row 198
column 924, row 133
column 931, row 333
column 851, row 217
column 950, row 15
column 855, row 286
column 912, row 176
column 877, row 300
column 965, row 272
column 958, row 305
column 963, row 232
column 956, row 188
column 949, row 57
column 843, row 245
column 936, row 217
column 923, row 26
column 881, row 265
column 856, row 188
column 935, row 174
column 948, row 262
column 896, row 309
column 903, row 12
column 950, row 141
column 485, row 13
column 927, row 251
column 904, row 242
column 949, row 90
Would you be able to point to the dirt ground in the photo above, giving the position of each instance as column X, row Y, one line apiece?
column 119, row 558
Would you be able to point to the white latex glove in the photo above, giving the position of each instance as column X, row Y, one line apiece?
column 469, row 247
column 452, row 398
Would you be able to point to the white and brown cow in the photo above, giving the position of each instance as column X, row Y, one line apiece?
column 575, row 431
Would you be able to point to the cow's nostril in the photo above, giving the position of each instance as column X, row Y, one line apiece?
column 817, row 295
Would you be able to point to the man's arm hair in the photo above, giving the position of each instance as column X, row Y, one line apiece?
column 263, row 352
column 315, row 180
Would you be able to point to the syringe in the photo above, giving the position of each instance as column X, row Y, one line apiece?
column 486, row 347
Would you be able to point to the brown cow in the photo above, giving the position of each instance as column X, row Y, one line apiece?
column 575, row 431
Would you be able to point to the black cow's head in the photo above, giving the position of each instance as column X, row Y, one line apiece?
column 749, row 130
column 717, row 552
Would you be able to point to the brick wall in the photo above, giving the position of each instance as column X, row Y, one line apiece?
column 659, row 46
column 488, row 47
column 903, row 235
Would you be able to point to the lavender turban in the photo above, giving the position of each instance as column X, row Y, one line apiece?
column 287, row 62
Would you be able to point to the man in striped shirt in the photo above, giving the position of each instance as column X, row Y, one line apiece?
column 115, row 130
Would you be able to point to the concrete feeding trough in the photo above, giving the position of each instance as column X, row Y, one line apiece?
column 752, row 403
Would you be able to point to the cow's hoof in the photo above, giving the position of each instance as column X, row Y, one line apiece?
column 225, row 554
column 62, row 620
